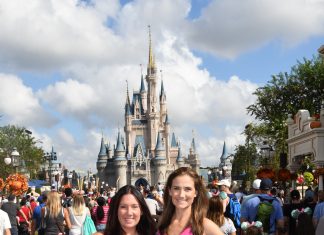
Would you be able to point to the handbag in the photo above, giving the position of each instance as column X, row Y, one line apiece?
column 88, row 226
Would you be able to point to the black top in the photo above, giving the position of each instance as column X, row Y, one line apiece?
column 287, row 209
column 11, row 208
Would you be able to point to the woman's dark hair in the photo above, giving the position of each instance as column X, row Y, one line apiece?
column 23, row 201
column 100, row 211
column 304, row 225
column 198, row 208
column 146, row 225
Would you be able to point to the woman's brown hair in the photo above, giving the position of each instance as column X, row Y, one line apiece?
column 198, row 207
column 216, row 211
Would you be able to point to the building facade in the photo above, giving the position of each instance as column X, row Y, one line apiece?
column 147, row 152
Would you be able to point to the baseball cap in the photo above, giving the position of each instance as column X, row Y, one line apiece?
column 256, row 184
column 265, row 184
column 224, row 182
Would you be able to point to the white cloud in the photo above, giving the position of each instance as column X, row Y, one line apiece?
column 19, row 105
column 228, row 28
column 96, row 47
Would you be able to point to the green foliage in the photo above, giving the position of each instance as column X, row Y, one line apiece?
column 285, row 94
column 308, row 176
column 30, row 154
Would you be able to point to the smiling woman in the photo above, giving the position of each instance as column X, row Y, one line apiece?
column 129, row 214
column 185, row 206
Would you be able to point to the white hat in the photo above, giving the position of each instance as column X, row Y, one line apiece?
column 256, row 184
column 225, row 182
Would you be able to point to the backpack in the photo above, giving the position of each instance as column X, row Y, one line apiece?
column 67, row 202
column 88, row 226
column 234, row 211
column 264, row 211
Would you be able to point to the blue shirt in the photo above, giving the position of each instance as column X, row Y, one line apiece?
column 319, row 211
column 37, row 215
column 251, row 207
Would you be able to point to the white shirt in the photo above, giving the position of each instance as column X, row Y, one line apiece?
column 153, row 205
column 4, row 222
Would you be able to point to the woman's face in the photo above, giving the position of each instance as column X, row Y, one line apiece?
column 182, row 191
column 129, row 212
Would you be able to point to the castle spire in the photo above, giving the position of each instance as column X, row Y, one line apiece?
column 142, row 84
column 120, row 147
column 224, row 153
column 151, row 62
column 103, row 151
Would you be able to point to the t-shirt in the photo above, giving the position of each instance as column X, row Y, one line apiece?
column 319, row 211
column 104, row 219
column 153, row 205
column 37, row 214
column 4, row 222
column 11, row 208
column 26, row 211
column 251, row 208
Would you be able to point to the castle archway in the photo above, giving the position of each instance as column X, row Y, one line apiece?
column 141, row 181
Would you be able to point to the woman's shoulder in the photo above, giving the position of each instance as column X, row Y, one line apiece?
column 98, row 233
column 211, row 228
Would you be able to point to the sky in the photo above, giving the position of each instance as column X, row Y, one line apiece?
column 64, row 66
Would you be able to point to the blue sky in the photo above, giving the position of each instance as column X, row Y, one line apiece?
column 63, row 65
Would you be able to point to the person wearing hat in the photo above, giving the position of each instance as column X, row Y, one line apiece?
column 276, row 217
column 233, row 209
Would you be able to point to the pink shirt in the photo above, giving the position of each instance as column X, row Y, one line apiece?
column 186, row 231
column 104, row 219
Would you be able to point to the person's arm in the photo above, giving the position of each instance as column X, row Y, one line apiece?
column 67, row 218
column 33, row 227
column 211, row 228
column 7, row 231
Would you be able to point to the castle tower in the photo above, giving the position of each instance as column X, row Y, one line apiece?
column 193, row 157
column 128, row 121
column 180, row 159
column 159, row 161
column 102, row 156
column 120, row 163
column 152, row 112
column 167, row 137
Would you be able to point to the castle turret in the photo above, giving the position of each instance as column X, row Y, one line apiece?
column 224, row 153
column 159, row 160
column 102, row 156
column 193, row 157
column 143, row 95
column 163, row 105
column 120, row 163
column 180, row 160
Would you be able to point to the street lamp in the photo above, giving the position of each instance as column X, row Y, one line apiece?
column 50, row 157
column 267, row 151
column 13, row 159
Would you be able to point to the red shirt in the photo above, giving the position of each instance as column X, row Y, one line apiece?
column 26, row 211
column 104, row 219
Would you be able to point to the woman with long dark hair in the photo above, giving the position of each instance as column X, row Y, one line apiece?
column 185, row 206
column 100, row 214
column 129, row 214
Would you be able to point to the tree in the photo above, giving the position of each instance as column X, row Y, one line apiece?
column 286, row 93
column 31, row 155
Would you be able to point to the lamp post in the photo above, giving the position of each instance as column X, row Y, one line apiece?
column 267, row 152
column 13, row 159
column 50, row 157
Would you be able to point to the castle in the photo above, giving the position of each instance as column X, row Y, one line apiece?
column 146, row 155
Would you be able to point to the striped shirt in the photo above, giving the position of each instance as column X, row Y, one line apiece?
column 104, row 219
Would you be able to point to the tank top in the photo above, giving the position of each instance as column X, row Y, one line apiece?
column 52, row 224
column 186, row 231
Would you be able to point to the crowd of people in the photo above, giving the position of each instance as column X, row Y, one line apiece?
column 182, row 206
